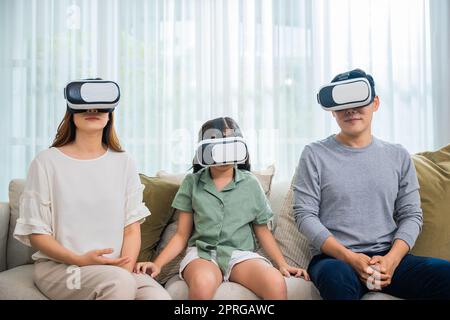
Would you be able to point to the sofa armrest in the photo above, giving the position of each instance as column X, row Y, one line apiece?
column 4, row 226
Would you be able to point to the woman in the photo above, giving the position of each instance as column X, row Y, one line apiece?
column 82, row 206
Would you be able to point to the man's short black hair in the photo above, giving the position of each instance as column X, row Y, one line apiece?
column 356, row 73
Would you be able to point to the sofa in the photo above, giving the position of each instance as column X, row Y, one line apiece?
column 433, row 172
column 16, row 268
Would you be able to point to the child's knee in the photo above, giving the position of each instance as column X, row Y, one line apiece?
column 277, row 279
column 276, row 284
column 207, row 282
column 203, row 289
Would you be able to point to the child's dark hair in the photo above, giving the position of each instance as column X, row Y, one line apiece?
column 222, row 125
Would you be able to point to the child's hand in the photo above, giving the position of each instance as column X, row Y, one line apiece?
column 286, row 270
column 147, row 267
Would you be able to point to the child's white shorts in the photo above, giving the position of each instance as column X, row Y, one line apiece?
column 236, row 257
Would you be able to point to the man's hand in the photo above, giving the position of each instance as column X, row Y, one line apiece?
column 384, row 266
column 368, row 273
column 360, row 262
column 95, row 257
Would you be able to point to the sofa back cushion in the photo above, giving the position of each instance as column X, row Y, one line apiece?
column 17, row 253
column 157, row 196
column 293, row 244
column 433, row 172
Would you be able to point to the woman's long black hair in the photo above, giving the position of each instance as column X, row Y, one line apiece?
column 221, row 124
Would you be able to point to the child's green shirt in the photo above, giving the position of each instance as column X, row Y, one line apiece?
column 223, row 220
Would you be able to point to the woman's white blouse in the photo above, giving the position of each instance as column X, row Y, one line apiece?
column 84, row 204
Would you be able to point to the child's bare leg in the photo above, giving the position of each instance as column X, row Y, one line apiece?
column 203, row 277
column 261, row 278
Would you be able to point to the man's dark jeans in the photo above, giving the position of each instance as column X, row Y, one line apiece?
column 415, row 278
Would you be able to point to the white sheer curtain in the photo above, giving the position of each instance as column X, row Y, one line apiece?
column 182, row 62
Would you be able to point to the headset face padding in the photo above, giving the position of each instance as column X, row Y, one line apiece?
column 223, row 151
column 82, row 95
column 346, row 94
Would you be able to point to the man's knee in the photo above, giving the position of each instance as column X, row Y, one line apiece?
column 440, row 270
column 336, row 280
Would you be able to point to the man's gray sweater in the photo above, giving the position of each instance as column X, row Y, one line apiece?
column 364, row 197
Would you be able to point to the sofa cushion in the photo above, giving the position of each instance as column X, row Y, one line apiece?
column 278, row 192
column 178, row 290
column 433, row 172
column 4, row 226
column 378, row 296
column 293, row 245
column 17, row 284
column 297, row 289
column 158, row 196
column 171, row 269
column 17, row 253
column 300, row 289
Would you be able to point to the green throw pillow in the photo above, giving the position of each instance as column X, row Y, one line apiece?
column 433, row 172
column 157, row 196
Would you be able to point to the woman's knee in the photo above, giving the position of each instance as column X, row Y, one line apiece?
column 118, row 284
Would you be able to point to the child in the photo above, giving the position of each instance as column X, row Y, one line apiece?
column 222, row 208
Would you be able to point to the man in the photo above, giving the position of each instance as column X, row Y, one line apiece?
column 356, row 199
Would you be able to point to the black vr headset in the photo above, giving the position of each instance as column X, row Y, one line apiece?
column 348, row 90
column 91, row 94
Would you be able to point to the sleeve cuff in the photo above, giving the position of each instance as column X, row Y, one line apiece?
column 320, row 238
column 410, row 241
column 181, row 208
column 265, row 219
column 138, row 214
column 24, row 228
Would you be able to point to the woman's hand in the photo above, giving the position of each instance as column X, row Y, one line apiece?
column 287, row 270
column 95, row 257
column 147, row 267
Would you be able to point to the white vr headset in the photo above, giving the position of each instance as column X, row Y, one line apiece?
column 82, row 95
column 346, row 94
column 222, row 151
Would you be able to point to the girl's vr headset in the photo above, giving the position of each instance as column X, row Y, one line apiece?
column 222, row 151
column 83, row 95
column 353, row 89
